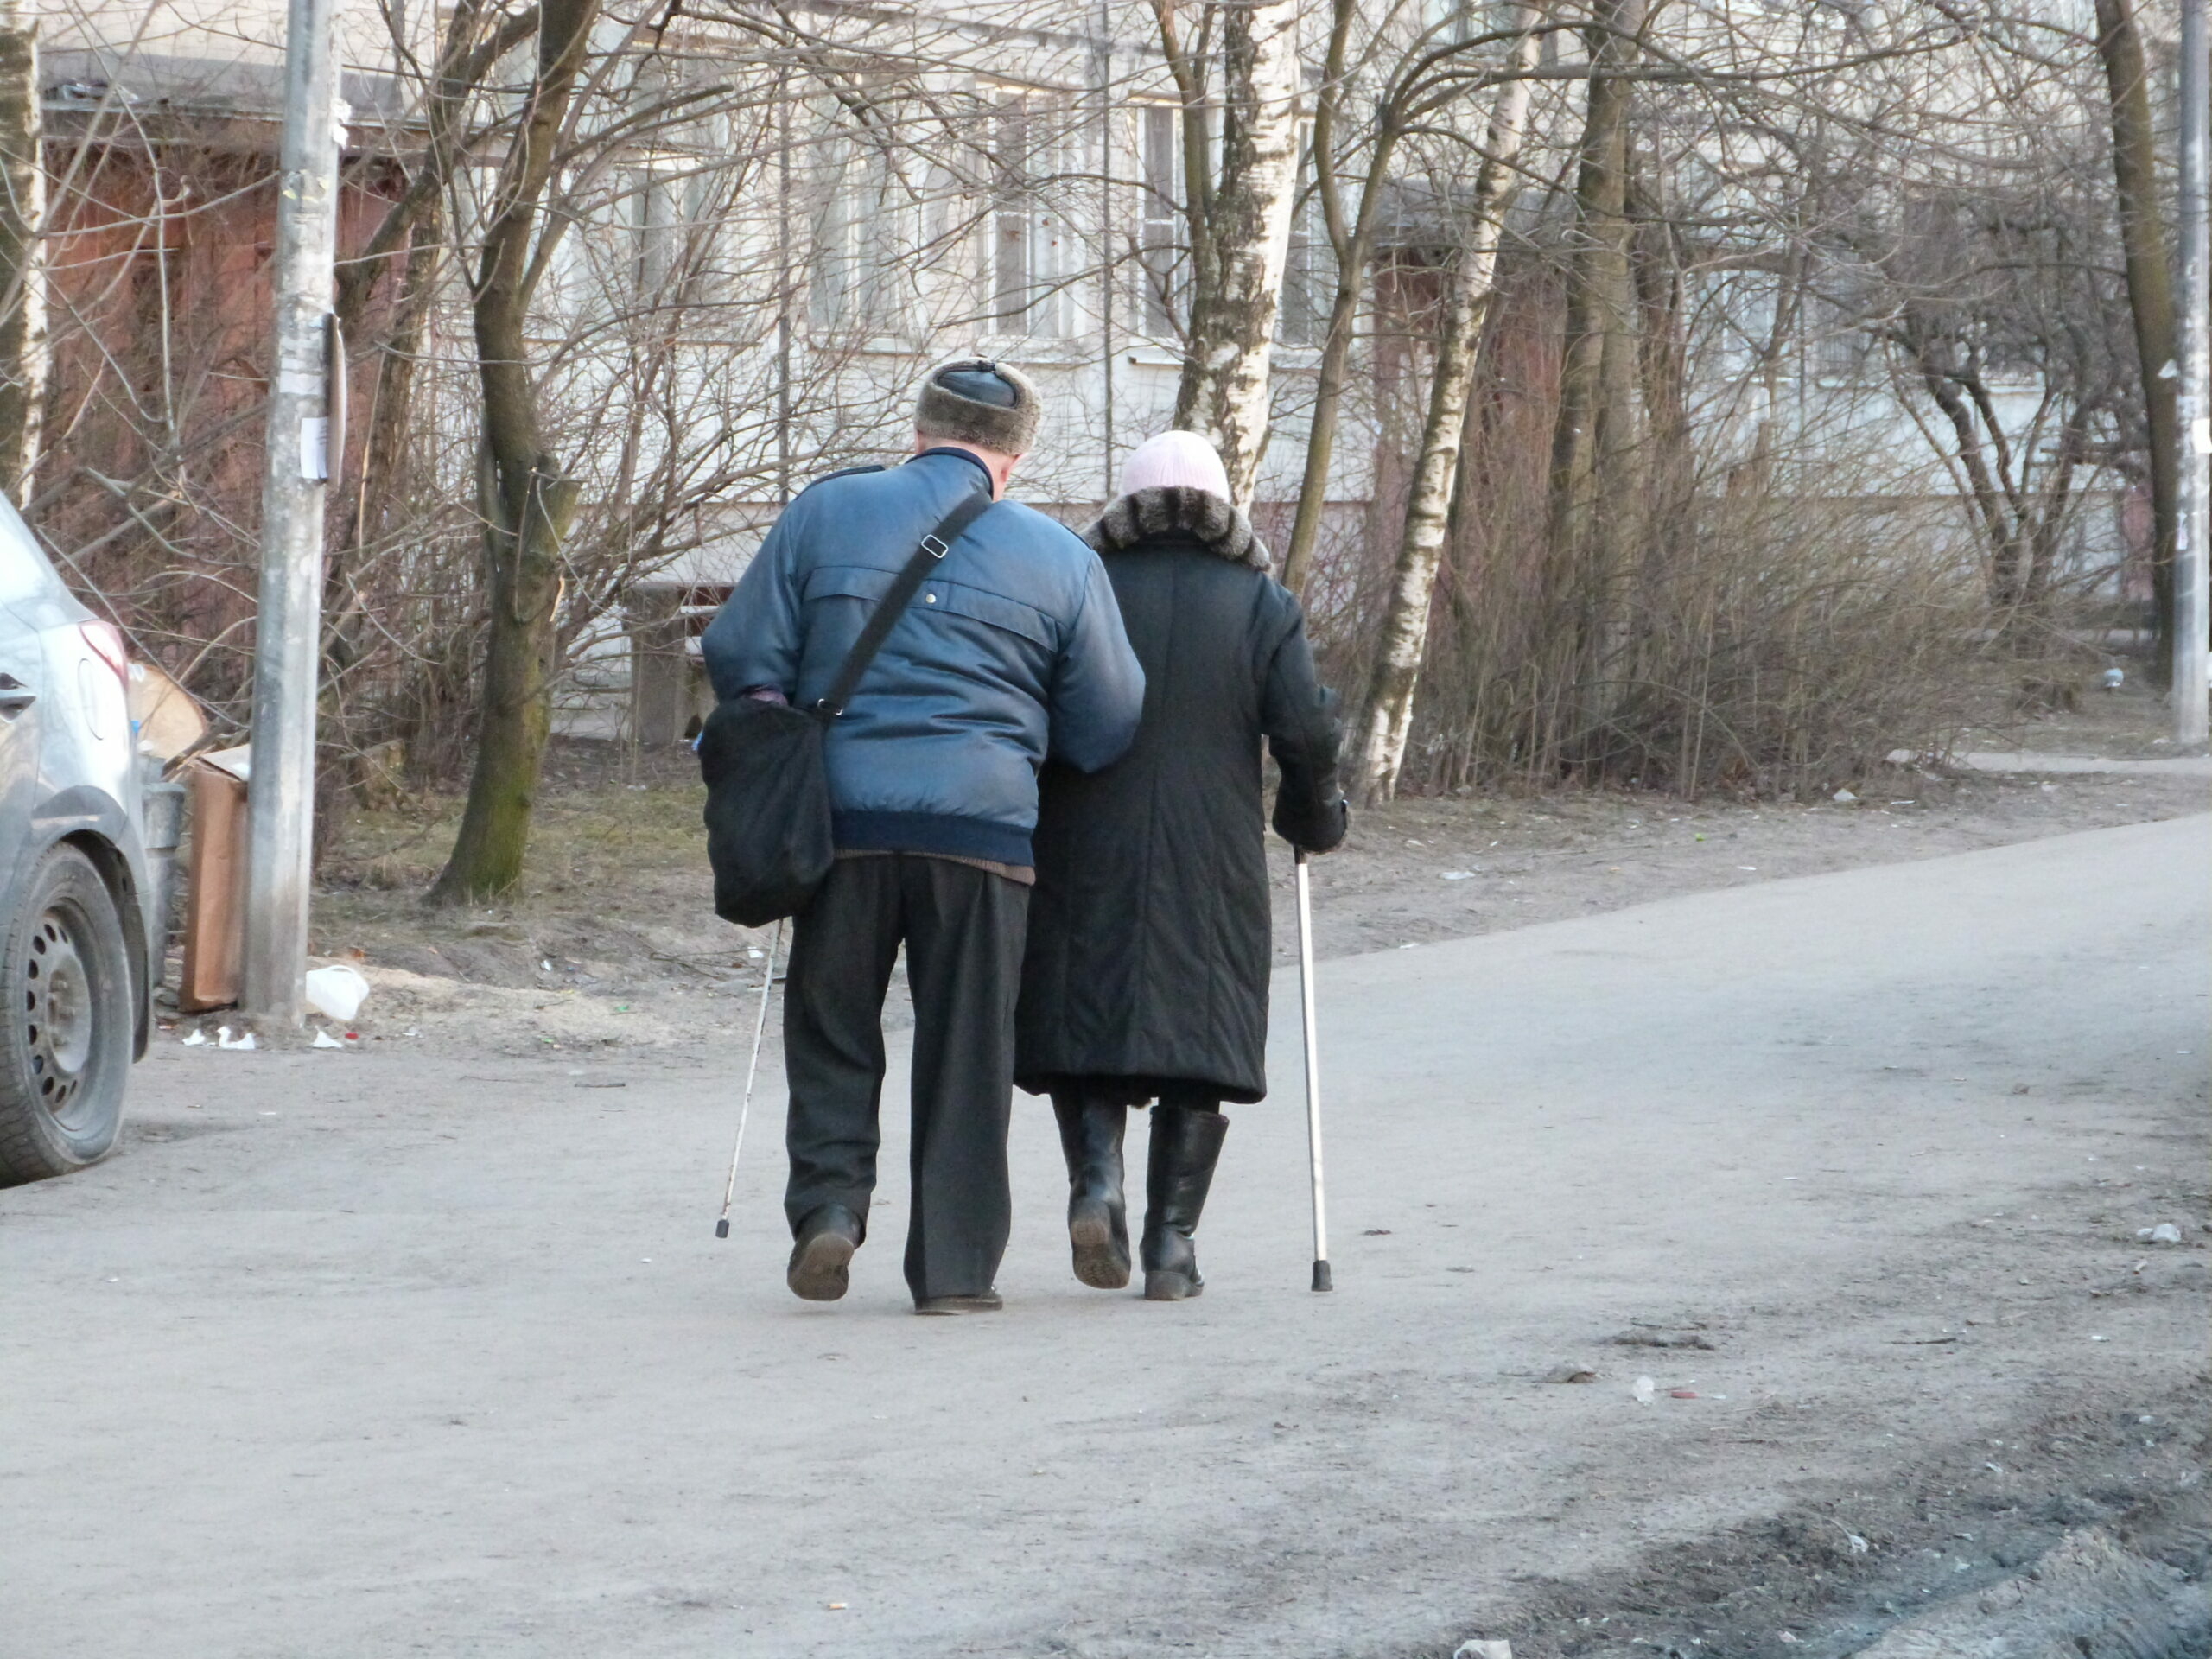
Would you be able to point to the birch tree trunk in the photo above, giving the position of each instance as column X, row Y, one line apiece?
column 1238, row 262
column 2150, row 292
column 528, row 502
column 22, row 277
column 1388, row 711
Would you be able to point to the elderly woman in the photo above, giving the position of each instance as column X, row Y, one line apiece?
column 1146, row 973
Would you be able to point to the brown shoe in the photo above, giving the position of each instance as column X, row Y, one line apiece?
column 827, row 1239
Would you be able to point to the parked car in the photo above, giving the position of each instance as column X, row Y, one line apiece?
column 77, row 951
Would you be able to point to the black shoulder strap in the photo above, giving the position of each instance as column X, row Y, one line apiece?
column 888, row 609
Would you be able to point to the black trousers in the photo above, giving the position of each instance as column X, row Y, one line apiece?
column 964, row 929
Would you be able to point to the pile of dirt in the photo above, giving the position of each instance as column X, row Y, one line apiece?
column 1901, row 1570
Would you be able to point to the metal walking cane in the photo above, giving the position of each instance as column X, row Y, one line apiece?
column 1312, row 1076
column 752, row 1071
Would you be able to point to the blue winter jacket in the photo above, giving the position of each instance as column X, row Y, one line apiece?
column 1012, row 650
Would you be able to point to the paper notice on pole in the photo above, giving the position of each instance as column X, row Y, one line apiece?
column 314, row 447
column 2200, row 432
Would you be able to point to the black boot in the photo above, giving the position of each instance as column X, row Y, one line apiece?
column 1098, row 1217
column 1185, row 1143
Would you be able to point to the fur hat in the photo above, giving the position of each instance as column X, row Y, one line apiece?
column 1138, row 517
column 980, row 402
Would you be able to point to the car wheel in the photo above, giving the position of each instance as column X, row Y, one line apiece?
column 65, row 1023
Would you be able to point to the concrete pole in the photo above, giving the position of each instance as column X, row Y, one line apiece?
column 288, row 650
column 1107, row 110
column 2193, row 542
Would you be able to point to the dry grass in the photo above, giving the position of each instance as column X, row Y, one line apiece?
column 602, row 813
column 615, row 891
column 1764, row 648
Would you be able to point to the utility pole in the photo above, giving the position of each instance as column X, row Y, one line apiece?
column 300, row 459
column 1104, row 25
column 785, row 302
column 2193, row 541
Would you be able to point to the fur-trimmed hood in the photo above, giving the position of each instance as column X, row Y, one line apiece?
column 1226, row 532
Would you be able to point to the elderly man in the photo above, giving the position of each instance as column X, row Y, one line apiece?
column 1012, row 652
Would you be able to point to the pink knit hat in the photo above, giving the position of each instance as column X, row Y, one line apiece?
column 1175, row 460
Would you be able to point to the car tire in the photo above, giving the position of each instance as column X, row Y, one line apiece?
column 65, row 1028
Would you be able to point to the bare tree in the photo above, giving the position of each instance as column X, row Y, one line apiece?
column 528, row 500
column 1351, row 240
column 2000, row 303
column 1411, row 82
column 2150, row 292
column 1239, row 219
column 22, row 222
column 1388, row 711
column 750, row 225
column 1594, row 498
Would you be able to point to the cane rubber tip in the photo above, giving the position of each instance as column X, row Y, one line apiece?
column 1321, row 1276
column 722, row 1228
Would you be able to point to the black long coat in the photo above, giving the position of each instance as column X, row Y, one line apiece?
column 1148, row 953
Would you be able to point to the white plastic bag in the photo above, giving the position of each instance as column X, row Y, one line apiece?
column 336, row 992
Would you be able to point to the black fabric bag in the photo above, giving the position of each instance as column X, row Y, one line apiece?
column 767, row 788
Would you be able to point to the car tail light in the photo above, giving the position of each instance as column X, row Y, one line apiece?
column 106, row 641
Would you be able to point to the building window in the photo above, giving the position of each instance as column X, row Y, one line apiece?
column 1032, row 255
column 710, row 237
column 834, row 280
column 1836, row 321
column 1445, row 22
column 1160, row 219
column 1010, row 207
column 1309, row 267
column 656, row 231
column 860, row 216
column 1745, row 304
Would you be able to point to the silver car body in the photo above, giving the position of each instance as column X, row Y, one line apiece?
column 68, row 755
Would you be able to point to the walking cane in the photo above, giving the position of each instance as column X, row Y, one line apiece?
column 1312, row 1076
column 752, row 1071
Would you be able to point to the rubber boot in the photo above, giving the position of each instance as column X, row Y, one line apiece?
column 1098, row 1217
column 1185, row 1143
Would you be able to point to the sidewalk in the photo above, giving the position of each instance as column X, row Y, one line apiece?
column 2179, row 766
column 2032, row 760
column 393, row 1352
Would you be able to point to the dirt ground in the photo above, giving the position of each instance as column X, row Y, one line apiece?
column 431, row 1344
column 1833, row 1571
column 612, row 946
column 2131, row 723
column 613, row 939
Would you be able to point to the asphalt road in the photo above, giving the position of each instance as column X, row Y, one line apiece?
column 414, row 1351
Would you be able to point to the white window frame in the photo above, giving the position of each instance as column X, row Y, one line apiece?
column 1032, row 252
